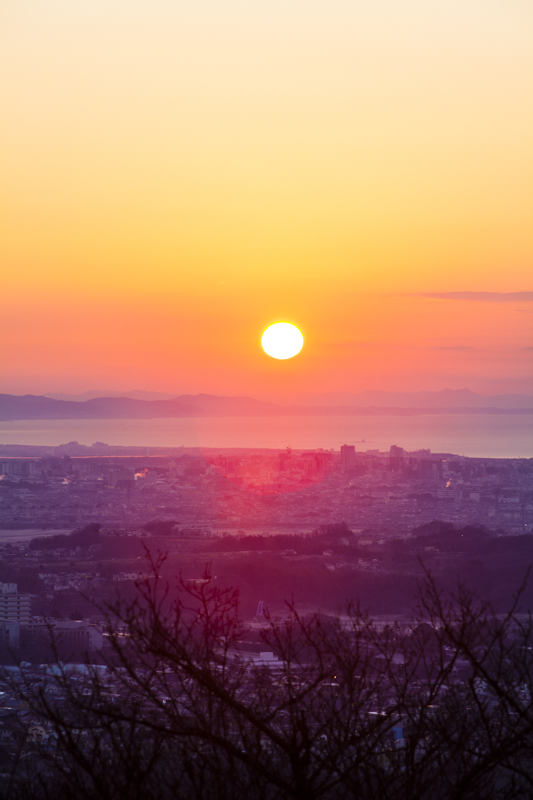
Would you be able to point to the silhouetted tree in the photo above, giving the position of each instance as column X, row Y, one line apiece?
column 339, row 710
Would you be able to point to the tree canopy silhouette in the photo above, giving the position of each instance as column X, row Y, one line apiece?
column 332, row 708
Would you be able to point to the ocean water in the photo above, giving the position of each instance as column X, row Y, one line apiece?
column 474, row 435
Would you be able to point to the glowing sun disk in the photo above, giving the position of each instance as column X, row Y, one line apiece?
column 282, row 340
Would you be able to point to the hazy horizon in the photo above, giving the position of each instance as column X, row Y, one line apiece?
column 301, row 398
column 147, row 394
column 484, row 386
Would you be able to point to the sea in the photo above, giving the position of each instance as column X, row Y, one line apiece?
column 473, row 435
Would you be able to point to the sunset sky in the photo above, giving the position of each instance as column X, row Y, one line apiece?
column 177, row 175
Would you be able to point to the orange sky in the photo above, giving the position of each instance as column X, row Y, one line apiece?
column 176, row 175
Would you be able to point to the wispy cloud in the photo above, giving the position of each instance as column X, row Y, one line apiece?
column 350, row 345
column 458, row 348
column 484, row 297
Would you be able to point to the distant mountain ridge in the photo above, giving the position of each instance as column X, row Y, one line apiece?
column 19, row 407
column 446, row 398
column 136, row 394
column 13, row 407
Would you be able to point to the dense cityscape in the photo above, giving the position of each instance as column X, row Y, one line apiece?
column 255, row 490
column 314, row 528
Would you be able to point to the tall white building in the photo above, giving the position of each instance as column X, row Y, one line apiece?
column 13, row 605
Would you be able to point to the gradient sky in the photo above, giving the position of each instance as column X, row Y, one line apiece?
column 177, row 175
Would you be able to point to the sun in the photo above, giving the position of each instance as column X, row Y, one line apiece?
column 282, row 340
